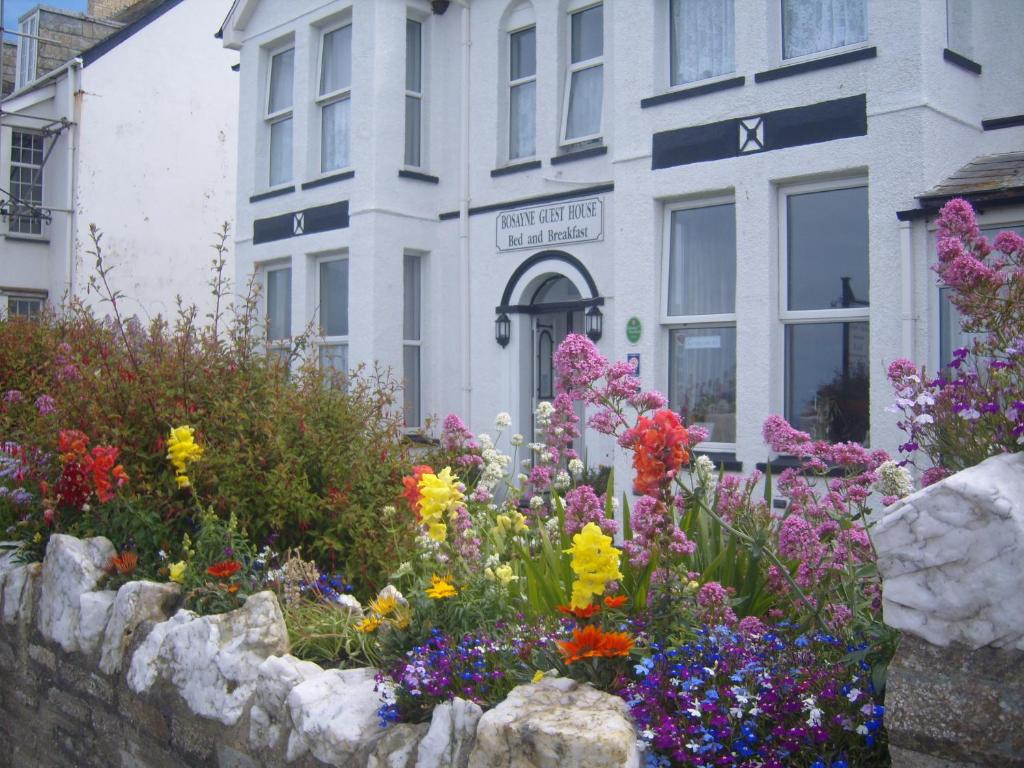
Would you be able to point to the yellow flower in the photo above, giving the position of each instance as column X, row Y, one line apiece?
column 504, row 574
column 176, row 571
column 369, row 624
column 439, row 494
column 182, row 449
column 383, row 605
column 518, row 521
column 402, row 617
column 440, row 588
column 594, row 561
column 537, row 676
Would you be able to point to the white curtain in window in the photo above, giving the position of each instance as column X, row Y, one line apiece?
column 702, row 261
column 703, row 39
column 523, row 120
column 334, row 135
column 585, row 94
column 281, row 152
column 334, row 297
column 809, row 26
column 702, row 379
column 279, row 304
column 336, row 72
column 282, row 75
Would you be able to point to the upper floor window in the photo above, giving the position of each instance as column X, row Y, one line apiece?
column 811, row 26
column 522, row 95
column 413, row 92
column 702, row 39
column 825, row 311
column 26, row 183
column 700, row 310
column 332, row 280
column 334, row 98
column 28, row 48
column 279, row 310
column 584, row 85
column 280, row 100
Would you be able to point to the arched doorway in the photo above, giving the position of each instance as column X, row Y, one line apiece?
column 557, row 310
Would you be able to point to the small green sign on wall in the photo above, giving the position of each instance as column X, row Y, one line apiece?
column 633, row 329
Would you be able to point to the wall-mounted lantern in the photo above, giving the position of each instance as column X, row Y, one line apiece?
column 502, row 329
column 595, row 323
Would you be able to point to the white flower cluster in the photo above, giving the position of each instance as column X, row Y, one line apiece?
column 543, row 414
column 503, row 420
column 562, row 481
column 894, row 480
column 575, row 467
column 704, row 468
column 496, row 464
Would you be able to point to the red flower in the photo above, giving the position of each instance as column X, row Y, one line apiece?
column 73, row 488
column 615, row 602
column 225, row 569
column 101, row 466
column 124, row 563
column 579, row 613
column 72, row 444
column 659, row 450
column 591, row 642
column 411, row 494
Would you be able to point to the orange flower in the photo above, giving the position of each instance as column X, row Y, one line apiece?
column 659, row 450
column 615, row 602
column 224, row 569
column 124, row 563
column 590, row 642
column 579, row 613
column 411, row 484
column 72, row 444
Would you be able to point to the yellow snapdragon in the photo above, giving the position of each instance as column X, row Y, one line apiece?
column 594, row 561
column 182, row 449
column 439, row 495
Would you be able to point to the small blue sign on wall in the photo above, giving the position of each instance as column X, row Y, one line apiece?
column 633, row 358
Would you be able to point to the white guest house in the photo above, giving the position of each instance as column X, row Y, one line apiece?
column 736, row 195
column 136, row 134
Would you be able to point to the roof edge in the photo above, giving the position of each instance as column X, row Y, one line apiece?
column 110, row 43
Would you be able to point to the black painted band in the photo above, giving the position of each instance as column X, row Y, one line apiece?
column 961, row 61
column 815, row 64
column 272, row 193
column 691, row 92
column 581, row 154
column 505, row 170
column 322, row 182
column 417, row 176
column 996, row 123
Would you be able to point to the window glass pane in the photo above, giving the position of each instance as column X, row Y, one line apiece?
column 703, row 39
column 412, row 130
column 413, row 56
column 523, row 53
column 522, row 128
column 411, row 376
column 282, row 70
column 588, row 34
column 828, row 249
column 809, row 26
column 827, row 380
column 411, row 305
column 702, row 379
column 334, row 297
column 702, row 261
column 336, row 70
column 585, row 103
column 281, row 151
column 334, row 357
column 334, row 135
column 26, row 183
column 22, row 307
column 279, row 304
column 959, row 27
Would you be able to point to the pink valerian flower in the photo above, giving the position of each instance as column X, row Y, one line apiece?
column 583, row 506
column 654, row 528
column 1009, row 243
column 782, row 438
column 12, row 396
column 455, row 436
column 578, row 365
column 45, row 405
column 465, row 541
column 540, row 478
column 713, row 601
column 933, row 475
column 607, row 422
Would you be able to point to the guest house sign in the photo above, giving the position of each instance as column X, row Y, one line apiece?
column 542, row 226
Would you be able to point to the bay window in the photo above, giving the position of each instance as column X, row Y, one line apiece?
column 522, row 93
column 334, row 98
column 280, row 93
column 812, row 26
column 412, row 339
column 413, row 93
column 332, row 290
column 702, row 39
column 584, row 85
column 278, row 311
column 700, row 313
column 825, row 310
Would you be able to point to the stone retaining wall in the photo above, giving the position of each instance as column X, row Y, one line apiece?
column 91, row 677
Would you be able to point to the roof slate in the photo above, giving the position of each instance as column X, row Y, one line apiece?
column 985, row 175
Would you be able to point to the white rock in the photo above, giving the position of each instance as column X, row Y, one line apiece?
column 951, row 556
column 556, row 723
column 350, row 604
column 95, row 613
column 18, row 588
column 213, row 661
column 71, row 568
column 136, row 602
column 269, row 719
column 450, row 738
column 397, row 748
column 335, row 716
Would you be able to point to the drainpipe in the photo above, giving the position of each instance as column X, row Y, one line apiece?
column 73, row 113
column 464, row 261
column 907, row 283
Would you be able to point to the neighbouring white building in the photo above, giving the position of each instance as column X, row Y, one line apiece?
column 729, row 193
column 137, row 135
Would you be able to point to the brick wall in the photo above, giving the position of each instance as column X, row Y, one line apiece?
column 70, row 35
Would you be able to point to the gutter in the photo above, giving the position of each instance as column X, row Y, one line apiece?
column 464, row 260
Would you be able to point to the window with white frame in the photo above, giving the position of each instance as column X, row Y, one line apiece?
column 825, row 310
column 278, row 311
column 332, row 289
column 951, row 333
column 702, row 39
column 584, row 82
column 700, row 314
column 812, row 26
column 334, row 97
column 522, row 93
column 413, row 93
column 28, row 47
column 412, row 339
column 280, row 101
column 26, row 183
column 29, row 307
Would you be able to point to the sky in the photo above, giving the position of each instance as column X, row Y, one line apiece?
column 15, row 8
